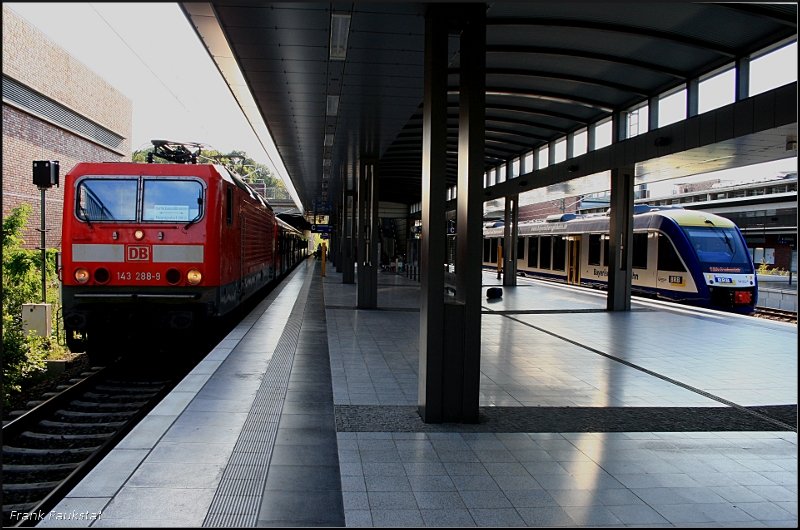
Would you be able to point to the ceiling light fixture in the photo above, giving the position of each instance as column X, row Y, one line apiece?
column 333, row 106
column 340, row 29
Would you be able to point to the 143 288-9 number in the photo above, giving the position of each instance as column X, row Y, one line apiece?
column 139, row 276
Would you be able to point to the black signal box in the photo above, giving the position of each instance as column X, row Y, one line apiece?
column 45, row 173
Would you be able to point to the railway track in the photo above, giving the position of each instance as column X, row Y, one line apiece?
column 48, row 450
column 776, row 314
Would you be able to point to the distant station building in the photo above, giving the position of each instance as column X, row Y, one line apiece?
column 54, row 108
column 764, row 210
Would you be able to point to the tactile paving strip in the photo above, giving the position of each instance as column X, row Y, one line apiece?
column 238, row 497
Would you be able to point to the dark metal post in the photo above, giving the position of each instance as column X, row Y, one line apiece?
column 367, row 234
column 434, row 237
column 692, row 97
column 742, row 78
column 350, row 226
column 511, row 216
column 620, row 259
column 471, row 147
column 652, row 114
column 44, row 249
column 340, row 227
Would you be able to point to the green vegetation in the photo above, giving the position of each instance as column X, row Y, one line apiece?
column 255, row 174
column 24, row 356
column 763, row 268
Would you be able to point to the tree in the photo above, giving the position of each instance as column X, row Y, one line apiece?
column 23, row 356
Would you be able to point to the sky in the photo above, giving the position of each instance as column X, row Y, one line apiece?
column 150, row 53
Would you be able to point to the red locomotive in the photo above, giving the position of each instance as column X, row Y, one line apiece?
column 155, row 248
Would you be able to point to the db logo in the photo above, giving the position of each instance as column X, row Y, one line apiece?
column 138, row 253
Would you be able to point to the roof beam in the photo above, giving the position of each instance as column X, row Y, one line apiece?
column 549, row 96
column 760, row 11
column 542, row 50
column 417, row 130
column 648, row 33
column 564, row 77
column 517, row 133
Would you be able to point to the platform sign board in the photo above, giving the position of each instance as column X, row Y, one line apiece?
column 321, row 229
column 325, row 236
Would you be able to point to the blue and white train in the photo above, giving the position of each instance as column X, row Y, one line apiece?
column 680, row 255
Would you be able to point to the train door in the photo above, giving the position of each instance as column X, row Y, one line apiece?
column 574, row 260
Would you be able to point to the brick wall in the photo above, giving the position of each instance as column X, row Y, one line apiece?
column 25, row 139
column 31, row 58
column 28, row 137
column 531, row 212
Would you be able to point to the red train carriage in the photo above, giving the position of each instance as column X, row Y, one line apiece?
column 149, row 248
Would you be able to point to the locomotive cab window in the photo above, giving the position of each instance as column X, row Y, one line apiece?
column 107, row 199
column 229, row 206
column 172, row 200
column 719, row 249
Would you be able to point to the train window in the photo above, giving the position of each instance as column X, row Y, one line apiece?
column 605, row 251
column 640, row 251
column 493, row 251
column 559, row 253
column 229, row 206
column 107, row 199
column 520, row 248
column 594, row 249
column 544, row 251
column 533, row 252
column 487, row 250
column 719, row 249
column 668, row 259
column 172, row 200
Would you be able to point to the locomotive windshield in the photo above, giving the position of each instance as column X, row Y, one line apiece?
column 117, row 199
column 172, row 200
column 719, row 249
column 107, row 199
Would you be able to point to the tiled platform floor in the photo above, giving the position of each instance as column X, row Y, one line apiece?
column 541, row 352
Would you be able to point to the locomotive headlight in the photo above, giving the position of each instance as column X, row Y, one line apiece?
column 82, row 275
column 194, row 276
column 138, row 235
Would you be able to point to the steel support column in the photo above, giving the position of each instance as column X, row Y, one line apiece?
column 333, row 242
column 368, row 234
column 339, row 228
column 469, row 216
column 433, row 240
column 511, row 217
column 349, row 211
column 620, row 258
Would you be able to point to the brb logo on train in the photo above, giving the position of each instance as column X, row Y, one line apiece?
column 137, row 253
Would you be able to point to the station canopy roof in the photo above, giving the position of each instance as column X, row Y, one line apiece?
column 551, row 68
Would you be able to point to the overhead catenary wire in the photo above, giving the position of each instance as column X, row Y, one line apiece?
column 178, row 99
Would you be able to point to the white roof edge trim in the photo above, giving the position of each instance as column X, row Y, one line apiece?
column 232, row 74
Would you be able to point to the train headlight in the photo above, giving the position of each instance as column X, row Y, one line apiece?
column 138, row 235
column 82, row 275
column 194, row 276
